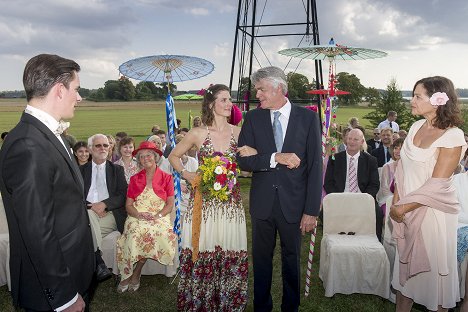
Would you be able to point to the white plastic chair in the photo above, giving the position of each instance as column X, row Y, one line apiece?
column 352, row 263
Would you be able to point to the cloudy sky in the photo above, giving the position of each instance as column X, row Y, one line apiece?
column 421, row 37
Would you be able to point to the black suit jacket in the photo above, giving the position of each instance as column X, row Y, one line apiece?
column 116, row 186
column 367, row 175
column 379, row 153
column 371, row 145
column 51, row 248
column 299, row 190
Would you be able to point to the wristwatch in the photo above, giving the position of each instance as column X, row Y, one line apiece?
column 160, row 215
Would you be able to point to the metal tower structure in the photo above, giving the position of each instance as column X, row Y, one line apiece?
column 249, row 28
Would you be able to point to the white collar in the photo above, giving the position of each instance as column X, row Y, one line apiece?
column 103, row 165
column 356, row 156
column 285, row 110
column 49, row 121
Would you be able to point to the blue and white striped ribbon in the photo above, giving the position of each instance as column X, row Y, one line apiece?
column 171, row 123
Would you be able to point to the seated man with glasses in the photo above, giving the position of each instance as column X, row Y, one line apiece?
column 105, row 190
column 375, row 142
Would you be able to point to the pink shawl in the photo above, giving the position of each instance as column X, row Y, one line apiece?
column 436, row 193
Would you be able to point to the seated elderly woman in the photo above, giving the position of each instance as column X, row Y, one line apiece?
column 148, row 230
column 388, row 171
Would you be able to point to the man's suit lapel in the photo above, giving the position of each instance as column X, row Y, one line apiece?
column 265, row 122
column 88, row 173
column 342, row 167
column 362, row 167
column 290, row 137
column 108, row 176
column 56, row 143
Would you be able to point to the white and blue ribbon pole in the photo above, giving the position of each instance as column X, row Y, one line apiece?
column 171, row 124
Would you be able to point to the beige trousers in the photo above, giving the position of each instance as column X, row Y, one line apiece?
column 101, row 227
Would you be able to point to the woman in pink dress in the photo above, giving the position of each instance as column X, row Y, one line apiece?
column 425, row 207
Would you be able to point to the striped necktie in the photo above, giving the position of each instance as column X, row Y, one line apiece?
column 353, row 186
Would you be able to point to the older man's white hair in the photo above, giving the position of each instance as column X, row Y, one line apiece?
column 273, row 74
column 94, row 137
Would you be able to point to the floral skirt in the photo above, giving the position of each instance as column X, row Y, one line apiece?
column 218, row 280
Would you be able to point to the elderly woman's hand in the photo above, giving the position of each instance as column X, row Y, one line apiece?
column 147, row 216
column 246, row 150
column 397, row 213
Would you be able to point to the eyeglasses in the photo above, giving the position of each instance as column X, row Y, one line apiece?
column 349, row 233
column 376, row 133
column 101, row 145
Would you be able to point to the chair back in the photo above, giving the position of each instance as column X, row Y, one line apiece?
column 388, row 226
column 460, row 181
column 349, row 212
column 3, row 219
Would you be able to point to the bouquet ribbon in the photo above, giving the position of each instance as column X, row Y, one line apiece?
column 196, row 215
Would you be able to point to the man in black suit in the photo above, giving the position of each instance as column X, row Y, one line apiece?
column 105, row 190
column 383, row 152
column 51, row 249
column 339, row 174
column 374, row 143
column 286, row 183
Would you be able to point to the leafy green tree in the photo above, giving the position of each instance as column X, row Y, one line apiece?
column 298, row 84
column 392, row 100
column 126, row 89
column 112, row 90
column 372, row 96
column 350, row 83
column 84, row 92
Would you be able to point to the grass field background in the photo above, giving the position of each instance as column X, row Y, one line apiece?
column 156, row 292
column 135, row 118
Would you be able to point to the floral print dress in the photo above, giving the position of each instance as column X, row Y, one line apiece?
column 217, row 281
column 146, row 239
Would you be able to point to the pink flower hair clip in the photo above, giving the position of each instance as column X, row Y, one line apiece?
column 439, row 98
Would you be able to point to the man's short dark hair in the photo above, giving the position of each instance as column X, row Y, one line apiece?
column 160, row 132
column 121, row 134
column 43, row 71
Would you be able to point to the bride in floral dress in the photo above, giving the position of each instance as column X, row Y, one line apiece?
column 213, row 260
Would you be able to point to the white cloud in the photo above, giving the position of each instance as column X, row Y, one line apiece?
column 198, row 11
column 222, row 49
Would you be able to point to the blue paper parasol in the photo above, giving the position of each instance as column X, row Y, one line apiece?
column 162, row 68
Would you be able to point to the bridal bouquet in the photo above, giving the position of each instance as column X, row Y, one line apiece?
column 219, row 175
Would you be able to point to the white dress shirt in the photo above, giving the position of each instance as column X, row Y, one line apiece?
column 48, row 121
column 386, row 124
column 284, row 120
column 93, row 193
column 348, row 159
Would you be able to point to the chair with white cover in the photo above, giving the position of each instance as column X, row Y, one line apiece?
column 460, row 181
column 4, row 247
column 352, row 263
column 389, row 242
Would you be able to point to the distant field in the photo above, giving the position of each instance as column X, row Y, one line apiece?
column 135, row 118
